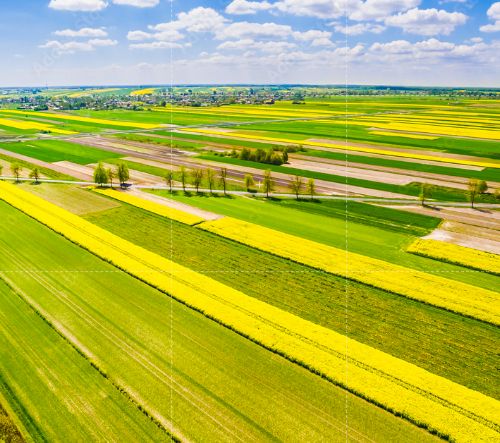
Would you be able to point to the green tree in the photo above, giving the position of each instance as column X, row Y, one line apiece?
column 472, row 190
column 35, row 174
column 249, row 182
column 122, row 173
column 16, row 169
column 210, row 179
column 223, row 179
column 268, row 182
column 169, row 179
column 100, row 175
column 285, row 155
column 111, row 175
column 197, row 177
column 296, row 184
column 425, row 192
column 183, row 177
column 311, row 187
column 482, row 187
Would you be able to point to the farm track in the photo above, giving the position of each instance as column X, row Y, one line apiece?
column 456, row 413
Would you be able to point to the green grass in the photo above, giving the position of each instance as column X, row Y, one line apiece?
column 58, row 150
column 212, row 384
column 439, row 193
column 367, row 239
column 441, row 342
column 54, row 391
column 159, row 141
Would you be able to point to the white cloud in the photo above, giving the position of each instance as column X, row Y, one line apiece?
column 323, row 9
column 427, row 21
column 77, row 46
column 380, row 9
column 242, row 7
column 138, row 3
column 156, row 45
column 360, row 28
column 494, row 14
column 139, row 35
column 196, row 20
column 249, row 44
column 78, row 5
column 241, row 30
column 83, row 32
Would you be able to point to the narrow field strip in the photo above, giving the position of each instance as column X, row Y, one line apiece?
column 484, row 164
column 76, row 118
column 452, row 295
column 54, row 391
column 431, row 401
column 155, row 208
column 456, row 254
column 33, row 125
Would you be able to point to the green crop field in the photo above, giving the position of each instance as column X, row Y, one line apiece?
column 194, row 376
column 372, row 315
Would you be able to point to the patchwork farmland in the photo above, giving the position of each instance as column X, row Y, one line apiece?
column 318, row 271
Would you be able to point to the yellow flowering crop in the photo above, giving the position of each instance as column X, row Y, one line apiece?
column 147, row 91
column 461, row 255
column 432, row 289
column 77, row 118
column 404, row 134
column 25, row 124
column 374, row 150
column 401, row 387
column 92, row 91
column 155, row 208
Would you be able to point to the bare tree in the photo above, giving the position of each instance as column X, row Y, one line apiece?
column 425, row 193
column 210, row 179
column 111, row 176
column 311, row 187
column 296, row 185
column 197, row 175
column 35, row 174
column 183, row 176
column 223, row 179
column 16, row 169
column 169, row 179
column 473, row 189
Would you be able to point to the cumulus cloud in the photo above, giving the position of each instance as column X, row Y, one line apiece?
column 78, row 5
column 243, row 7
column 199, row 19
column 427, row 21
column 77, row 46
column 249, row 44
column 83, row 32
column 138, row 3
column 359, row 28
column 156, row 45
column 494, row 14
column 380, row 9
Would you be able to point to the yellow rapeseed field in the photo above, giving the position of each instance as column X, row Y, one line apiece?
column 155, row 208
column 405, row 389
column 146, row 91
column 77, row 118
column 25, row 124
column 404, row 134
column 432, row 289
column 468, row 257
column 92, row 91
column 481, row 163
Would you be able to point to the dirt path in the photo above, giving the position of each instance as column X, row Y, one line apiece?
column 206, row 215
column 470, row 241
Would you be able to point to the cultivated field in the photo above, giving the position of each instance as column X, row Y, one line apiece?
column 314, row 270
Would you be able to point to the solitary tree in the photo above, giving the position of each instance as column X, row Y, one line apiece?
column 223, row 179
column 268, row 182
column 183, row 176
column 169, row 179
column 210, row 179
column 197, row 175
column 311, row 188
column 100, row 175
column 425, row 193
column 296, row 185
column 122, row 173
column 249, row 181
column 473, row 189
column 111, row 175
column 16, row 169
column 35, row 174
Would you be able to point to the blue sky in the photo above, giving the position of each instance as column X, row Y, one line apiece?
column 399, row 42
